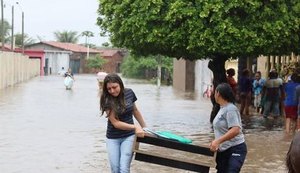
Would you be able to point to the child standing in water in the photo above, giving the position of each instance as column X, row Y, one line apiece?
column 258, row 84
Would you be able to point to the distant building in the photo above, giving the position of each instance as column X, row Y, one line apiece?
column 114, row 59
column 67, row 55
column 74, row 56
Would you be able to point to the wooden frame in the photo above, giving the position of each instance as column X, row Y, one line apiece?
column 190, row 164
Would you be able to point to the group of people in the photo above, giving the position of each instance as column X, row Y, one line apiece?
column 272, row 96
column 242, row 90
column 118, row 104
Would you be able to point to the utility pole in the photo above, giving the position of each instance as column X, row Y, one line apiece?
column 2, row 23
column 22, row 31
column 87, row 34
column 22, row 26
column 159, row 71
column 87, row 45
column 12, row 29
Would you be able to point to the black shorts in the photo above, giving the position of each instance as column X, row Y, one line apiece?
column 232, row 159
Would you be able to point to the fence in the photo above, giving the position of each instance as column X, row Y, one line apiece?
column 16, row 68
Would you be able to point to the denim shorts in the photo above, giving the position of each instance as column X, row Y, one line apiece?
column 232, row 159
column 271, row 107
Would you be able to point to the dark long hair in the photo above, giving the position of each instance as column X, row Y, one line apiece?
column 230, row 72
column 226, row 92
column 109, row 102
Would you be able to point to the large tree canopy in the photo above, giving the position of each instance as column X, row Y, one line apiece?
column 199, row 29
column 202, row 28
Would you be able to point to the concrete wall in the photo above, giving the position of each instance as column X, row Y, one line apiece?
column 16, row 68
column 232, row 64
column 203, row 76
column 195, row 75
column 184, row 75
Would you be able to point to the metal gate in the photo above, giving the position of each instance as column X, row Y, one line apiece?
column 75, row 65
column 46, row 67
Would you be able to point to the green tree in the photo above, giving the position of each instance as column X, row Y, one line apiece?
column 6, row 28
column 138, row 67
column 27, row 40
column 96, row 62
column 215, row 30
column 66, row 36
column 87, row 34
column 105, row 44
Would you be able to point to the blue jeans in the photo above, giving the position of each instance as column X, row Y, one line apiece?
column 120, row 153
column 272, row 107
column 232, row 159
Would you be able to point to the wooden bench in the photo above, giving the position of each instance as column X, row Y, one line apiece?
column 165, row 152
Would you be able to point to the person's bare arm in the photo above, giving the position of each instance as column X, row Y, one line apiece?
column 138, row 116
column 232, row 132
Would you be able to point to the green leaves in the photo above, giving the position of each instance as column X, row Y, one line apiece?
column 66, row 36
column 202, row 28
column 96, row 62
column 136, row 67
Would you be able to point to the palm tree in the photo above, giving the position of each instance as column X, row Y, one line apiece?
column 66, row 36
column 6, row 28
column 87, row 34
column 27, row 40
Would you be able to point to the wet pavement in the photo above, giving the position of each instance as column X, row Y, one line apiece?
column 45, row 128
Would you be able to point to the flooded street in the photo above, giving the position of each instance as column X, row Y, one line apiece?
column 45, row 128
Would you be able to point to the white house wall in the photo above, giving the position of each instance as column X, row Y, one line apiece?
column 203, row 76
column 57, row 60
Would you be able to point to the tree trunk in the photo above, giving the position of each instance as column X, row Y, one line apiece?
column 217, row 66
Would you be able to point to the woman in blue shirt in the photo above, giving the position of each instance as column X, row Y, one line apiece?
column 119, row 105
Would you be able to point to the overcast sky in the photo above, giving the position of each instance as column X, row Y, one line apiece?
column 43, row 17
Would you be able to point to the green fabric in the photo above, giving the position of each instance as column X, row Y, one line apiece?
column 172, row 136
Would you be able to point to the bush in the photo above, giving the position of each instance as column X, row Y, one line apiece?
column 96, row 62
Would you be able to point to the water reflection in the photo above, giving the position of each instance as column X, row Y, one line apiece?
column 45, row 128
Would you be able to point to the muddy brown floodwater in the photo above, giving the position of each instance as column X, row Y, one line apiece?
column 45, row 128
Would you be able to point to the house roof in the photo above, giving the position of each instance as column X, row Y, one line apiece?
column 70, row 47
column 7, row 47
column 80, row 49
column 108, row 53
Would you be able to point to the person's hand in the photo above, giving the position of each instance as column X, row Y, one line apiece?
column 139, row 131
column 214, row 146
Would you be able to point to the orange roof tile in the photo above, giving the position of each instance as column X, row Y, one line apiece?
column 107, row 53
column 70, row 47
